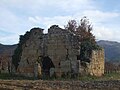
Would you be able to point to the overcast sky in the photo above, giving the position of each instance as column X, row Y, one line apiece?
column 19, row 16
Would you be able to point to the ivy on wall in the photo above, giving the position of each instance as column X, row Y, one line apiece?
column 18, row 51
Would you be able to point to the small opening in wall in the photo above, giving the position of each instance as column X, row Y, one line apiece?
column 78, row 57
column 59, row 63
column 47, row 64
column 27, row 61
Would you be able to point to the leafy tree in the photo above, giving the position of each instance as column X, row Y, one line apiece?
column 84, row 31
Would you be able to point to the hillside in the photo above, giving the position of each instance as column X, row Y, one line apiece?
column 7, row 49
column 112, row 50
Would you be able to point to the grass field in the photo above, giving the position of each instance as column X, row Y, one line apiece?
column 110, row 76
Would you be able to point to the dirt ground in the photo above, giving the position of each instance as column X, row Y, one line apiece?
column 58, row 85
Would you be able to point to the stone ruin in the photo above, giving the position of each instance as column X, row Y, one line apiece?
column 57, row 54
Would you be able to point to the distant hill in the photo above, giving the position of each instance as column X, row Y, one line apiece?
column 112, row 50
column 7, row 49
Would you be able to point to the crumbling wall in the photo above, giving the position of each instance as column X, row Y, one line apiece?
column 32, row 49
column 62, row 50
column 96, row 66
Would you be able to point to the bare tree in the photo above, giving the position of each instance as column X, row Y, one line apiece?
column 71, row 26
column 84, row 30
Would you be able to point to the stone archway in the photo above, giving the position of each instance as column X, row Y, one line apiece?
column 47, row 64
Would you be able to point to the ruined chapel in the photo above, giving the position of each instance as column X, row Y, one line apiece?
column 56, row 53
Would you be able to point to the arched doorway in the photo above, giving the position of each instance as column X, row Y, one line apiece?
column 46, row 65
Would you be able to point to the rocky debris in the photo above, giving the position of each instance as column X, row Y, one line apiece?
column 58, row 85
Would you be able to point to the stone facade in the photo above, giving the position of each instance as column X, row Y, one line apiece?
column 31, row 52
column 63, row 50
column 96, row 66
column 55, row 53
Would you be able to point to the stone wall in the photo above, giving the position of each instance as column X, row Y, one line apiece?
column 56, row 53
column 63, row 50
column 32, row 49
column 96, row 66
column 59, row 45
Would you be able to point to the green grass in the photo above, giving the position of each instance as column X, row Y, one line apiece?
column 88, row 78
column 7, row 76
column 110, row 76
